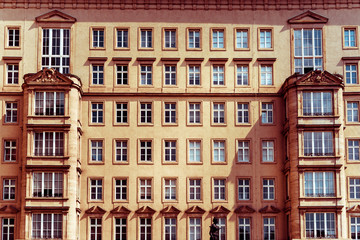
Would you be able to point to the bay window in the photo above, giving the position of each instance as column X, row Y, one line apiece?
column 47, row 184
column 49, row 103
column 49, row 144
column 319, row 184
column 320, row 225
column 47, row 226
column 317, row 103
column 318, row 144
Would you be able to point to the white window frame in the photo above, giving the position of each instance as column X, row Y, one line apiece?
column 350, row 37
column 351, row 73
column 265, row 39
column 169, row 112
column 326, row 221
column 145, row 151
column 12, row 73
column 353, row 150
column 219, row 152
column 11, row 109
column 243, row 151
column 194, row 75
column 222, row 228
column 145, row 112
column 96, row 189
column 194, row 151
column 219, row 188
column 354, row 225
column 268, row 188
column 242, row 113
column 122, row 112
column 317, row 103
column 145, row 189
column 97, row 112
column 243, row 189
column 218, row 38
column 266, row 75
column 242, row 75
column 53, row 146
column 122, row 74
column 98, row 38
column 319, row 184
column 95, row 224
column 218, row 75
column 122, row 39
column 194, row 36
column 121, row 186
column 97, row 74
column 352, row 111
column 219, row 113
column 121, row 150
column 120, row 230
column 10, row 152
column 244, row 228
column 49, row 103
column 13, row 37
column 145, row 75
column 54, row 233
column 195, row 189
column 170, row 38
column 170, row 228
column 267, row 113
column 170, row 75
column 7, row 228
column 269, row 227
column 170, row 151
column 195, row 113
column 145, row 228
column 195, row 231
column 326, row 145
column 268, row 150
column 242, row 38
column 9, row 189
column 354, row 188
column 146, row 38
column 48, row 184
column 170, row 189
column 97, row 150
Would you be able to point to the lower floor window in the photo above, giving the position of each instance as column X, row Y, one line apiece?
column 7, row 228
column 47, row 225
column 120, row 228
column 170, row 229
column 145, row 228
column 269, row 228
column 194, row 228
column 244, row 228
column 95, row 228
column 355, row 227
column 320, row 225
column 222, row 228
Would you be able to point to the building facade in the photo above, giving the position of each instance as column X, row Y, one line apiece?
column 148, row 119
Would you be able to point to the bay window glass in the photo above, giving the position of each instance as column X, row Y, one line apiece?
column 47, row 184
column 47, row 226
column 49, row 103
column 320, row 225
column 318, row 144
column 319, row 184
column 317, row 103
column 49, row 144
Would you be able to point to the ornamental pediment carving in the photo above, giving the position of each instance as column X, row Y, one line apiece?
column 95, row 210
column 120, row 210
column 195, row 210
column 220, row 210
column 55, row 17
column 308, row 17
column 320, row 78
column 269, row 209
column 354, row 209
column 9, row 209
column 170, row 210
column 244, row 209
column 47, row 76
column 145, row 210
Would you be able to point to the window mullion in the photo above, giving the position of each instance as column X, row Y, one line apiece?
column 53, row 184
column 313, row 47
column 312, row 103
column 302, row 51
column 61, row 49
column 42, row 184
column 41, row 224
column 52, row 225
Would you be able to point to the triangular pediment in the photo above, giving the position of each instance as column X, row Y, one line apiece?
column 320, row 78
column 308, row 17
column 354, row 209
column 145, row 210
column 95, row 210
column 9, row 209
column 121, row 210
column 220, row 210
column 48, row 76
column 269, row 209
column 195, row 210
column 244, row 209
column 170, row 210
column 55, row 17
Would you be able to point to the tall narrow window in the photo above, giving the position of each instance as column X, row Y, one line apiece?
column 97, row 112
column 219, row 189
column 317, row 103
column 308, row 53
column 266, row 75
column 243, row 189
column 353, row 150
column 354, row 188
column 194, row 113
column 269, row 228
column 319, row 184
column 120, row 229
column 122, row 38
column 146, row 38
column 355, row 227
column 145, row 189
column 98, row 38
column 145, row 151
column 351, row 73
column 352, row 112
column 267, row 113
column 170, row 112
column 121, row 189
column 121, row 112
column 244, row 228
column 47, row 226
column 121, row 150
column 170, row 228
column 145, row 75
column 194, row 228
column 194, row 39
column 145, row 113
column 194, row 75
column 145, row 228
column 265, row 40
column 50, row 103
column 218, row 75
column 9, row 151
column 13, row 37
column 48, row 143
column 194, row 189
column 242, row 113
column 349, row 37
column 320, row 225
column 243, row 151
column 218, row 38
column 242, row 40
column 97, row 74
column 170, row 75
column 122, row 74
column 268, row 189
column 97, row 150
column 222, row 228
column 169, row 38
column 318, row 144
column 170, row 189
column 56, row 49
column 95, row 229
column 170, row 150
column 195, row 151
column 48, row 184
column 12, row 73
column 218, row 113
column 96, row 189
column 242, row 75
column 267, row 151
column 8, row 228
column 11, row 112
column 219, row 151
column 9, row 186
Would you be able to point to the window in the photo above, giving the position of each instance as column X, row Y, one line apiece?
column 219, row 189
column 351, row 73
column 218, row 75
column 47, row 226
column 354, row 185
column 145, row 151
column 169, row 189
column 317, row 103
column 121, row 112
column 194, row 228
column 145, row 189
column 218, row 38
column 244, row 228
column 12, row 73
column 170, row 75
column 320, row 225
column 8, row 228
column 11, row 115
column 97, row 113
column 318, row 144
column 170, row 150
column 13, row 37
column 170, row 112
column 146, row 38
column 242, row 75
column 120, row 229
column 9, row 189
column 242, row 39
column 47, row 184
column 122, row 38
column 194, row 75
column 145, row 228
column 308, row 50
column 97, row 74
column 97, row 150
column 95, row 229
column 267, row 113
column 194, row 151
column 349, row 37
column 242, row 113
column 145, row 75
column 49, row 103
column 243, row 189
column 98, row 38
column 222, row 228
column 243, row 151
column 121, row 189
column 218, row 113
column 169, row 38
column 269, row 228
column 353, row 150
column 170, row 228
column 355, row 227
column 352, row 112
column 49, row 144
column 122, row 74
column 56, row 49
column 194, row 39
column 266, row 75
column 195, row 189
column 194, row 113
column 96, row 189
column 267, row 151
column 265, row 38
column 219, row 151
column 319, row 184
column 121, row 150
column 268, row 189
column 9, row 151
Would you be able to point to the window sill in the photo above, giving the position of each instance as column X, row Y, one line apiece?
column 121, row 85
column 120, row 162
column 97, row 124
column 121, row 124
column 145, row 124
column 241, row 49
column 98, row 48
column 194, row 163
column 120, row 201
column 122, row 49
column 317, row 198
column 48, row 157
column 193, row 49
column 351, row 48
column 243, row 124
column 49, row 117
column 170, row 124
column 218, row 124
column 145, row 163
column 169, row 163
column 194, row 124
column 244, row 162
column 47, row 198
column 145, row 49
column 268, row 162
column 169, row 49
column 96, row 162
column 218, row 163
